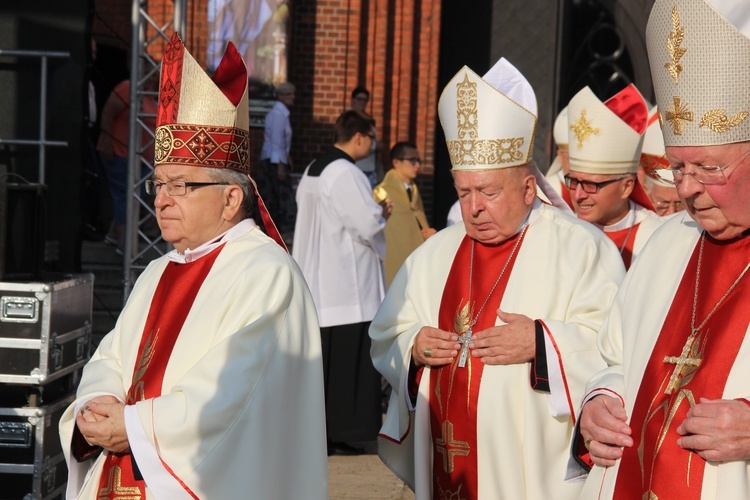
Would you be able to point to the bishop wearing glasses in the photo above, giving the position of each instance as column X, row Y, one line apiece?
column 605, row 141
column 669, row 417
column 211, row 384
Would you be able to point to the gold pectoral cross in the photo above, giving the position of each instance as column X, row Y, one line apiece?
column 687, row 362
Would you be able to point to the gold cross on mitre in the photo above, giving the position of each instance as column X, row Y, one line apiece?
column 582, row 129
column 449, row 447
column 687, row 362
column 677, row 114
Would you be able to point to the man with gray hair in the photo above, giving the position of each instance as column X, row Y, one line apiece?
column 669, row 415
column 219, row 337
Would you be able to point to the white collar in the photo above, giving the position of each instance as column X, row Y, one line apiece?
column 232, row 233
column 632, row 218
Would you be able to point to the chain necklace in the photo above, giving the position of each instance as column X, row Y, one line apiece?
column 627, row 236
column 685, row 359
column 466, row 337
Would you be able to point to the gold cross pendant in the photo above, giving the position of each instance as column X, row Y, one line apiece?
column 687, row 361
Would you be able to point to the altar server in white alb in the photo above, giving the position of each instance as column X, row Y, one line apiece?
column 210, row 385
column 488, row 332
column 339, row 242
column 670, row 417
column 605, row 149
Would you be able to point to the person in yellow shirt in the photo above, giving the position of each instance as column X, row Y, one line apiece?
column 407, row 228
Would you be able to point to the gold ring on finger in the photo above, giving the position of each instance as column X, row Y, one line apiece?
column 428, row 353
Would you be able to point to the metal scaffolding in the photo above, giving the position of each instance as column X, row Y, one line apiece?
column 142, row 240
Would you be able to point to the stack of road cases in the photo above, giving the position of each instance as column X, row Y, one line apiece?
column 45, row 339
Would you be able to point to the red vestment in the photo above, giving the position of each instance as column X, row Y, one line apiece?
column 624, row 240
column 172, row 301
column 454, row 390
column 655, row 464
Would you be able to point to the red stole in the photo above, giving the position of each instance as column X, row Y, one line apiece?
column 566, row 194
column 666, row 470
column 454, row 391
column 172, row 301
column 624, row 240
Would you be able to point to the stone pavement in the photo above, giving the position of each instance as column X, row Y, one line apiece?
column 364, row 477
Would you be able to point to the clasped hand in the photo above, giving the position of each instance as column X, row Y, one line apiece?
column 103, row 424
column 511, row 343
column 717, row 430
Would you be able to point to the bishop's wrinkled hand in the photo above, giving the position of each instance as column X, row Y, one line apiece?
column 434, row 347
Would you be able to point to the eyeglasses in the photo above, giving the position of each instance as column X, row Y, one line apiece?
column 412, row 159
column 362, row 99
column 662, row 207
column 705, row 174
column 177, row 188
column 588, row 186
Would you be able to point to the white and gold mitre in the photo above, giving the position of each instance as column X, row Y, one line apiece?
column 560, row 129
column 488, row 121
column 699, row 53
column 606, row 137
column 202, row 121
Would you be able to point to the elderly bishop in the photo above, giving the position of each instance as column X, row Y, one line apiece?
column 525, row 283
column 669, row 417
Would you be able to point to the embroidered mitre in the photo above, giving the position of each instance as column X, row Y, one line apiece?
column 699, row 52
column 202, row 121
column 488, row 121
column 606, row 137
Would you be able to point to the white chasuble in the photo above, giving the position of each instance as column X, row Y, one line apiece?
column 566, row 274
column 241, row 405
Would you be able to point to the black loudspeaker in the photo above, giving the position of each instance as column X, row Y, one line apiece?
column 22, row 226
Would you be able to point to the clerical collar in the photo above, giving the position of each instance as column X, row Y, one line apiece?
column 232, row 233
column 333, row 154
column 633, row 217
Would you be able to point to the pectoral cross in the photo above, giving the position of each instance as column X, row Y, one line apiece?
column 464, row 340
column 683, row 362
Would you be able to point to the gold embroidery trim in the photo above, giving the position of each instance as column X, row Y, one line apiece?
column 468, row 149
column 582, row 129
column 677, row 114
column 674, row 40
column 449, row 448
column 718, row 121
column 115, row 488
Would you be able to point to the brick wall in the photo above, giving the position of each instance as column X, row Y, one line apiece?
column 390, row 47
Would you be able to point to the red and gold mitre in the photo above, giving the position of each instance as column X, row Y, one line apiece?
column 202, row 121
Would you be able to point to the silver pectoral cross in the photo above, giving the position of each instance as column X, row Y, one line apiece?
column 464, row 341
